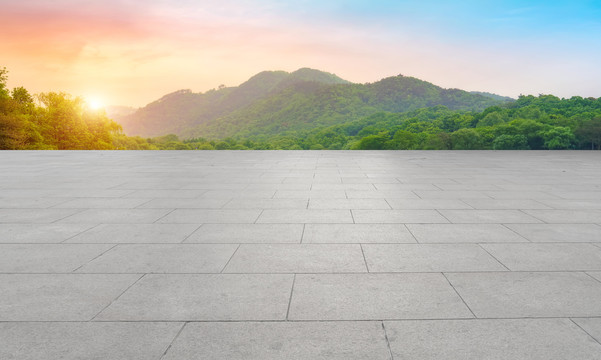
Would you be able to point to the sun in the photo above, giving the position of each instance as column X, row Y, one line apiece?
column 94, row 103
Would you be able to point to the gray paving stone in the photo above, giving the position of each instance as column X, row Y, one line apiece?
column 427, row 204
column 281, row 340
column 39, row 233
column 297, row 258
column 558, row 232
column 162, row 258
column 203, row 297
column 34, row 216
column 547, row 257
column 573, row 204
column 398, row 216
column 425, row 194
column 342, row 204
column 30, row 202
column 116, row 216
column 592, row 326
column 567, row 216
column 247, row 233
column 357, row 233
column 305, row 216
column 160, row 193
column 507, row 204
column 463, row 233
column 85, row 340
column 596, row 275
column 47, row 258
column 528, row 294
column 58, row 297
column 489, row 216
column 135, row 233
column 542, row 339
column 179, row 203
column 374, row 296
column 101, row 203
column 428, row 258
column 237, row 203
column 317, row 194
column 198, row 216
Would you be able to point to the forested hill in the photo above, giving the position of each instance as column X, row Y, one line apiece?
column 179, row 111
column 277, row 102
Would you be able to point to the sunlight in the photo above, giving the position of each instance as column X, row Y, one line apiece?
column 94, row 103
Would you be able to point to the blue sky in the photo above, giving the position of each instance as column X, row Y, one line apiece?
column 132, row 51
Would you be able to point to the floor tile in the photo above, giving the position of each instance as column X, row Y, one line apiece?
column 528, row 294
column 428, row 258
column 85, row 340
column 279, row 340
column 59, row 297
column 247, row 233
column 357, row 233
column 542, row 339
column 374, row 297
column 463, row 233
column 47, row 258
column 558, row 232
column 398, row 216
column 305, row 216
column 202, row 298
column 162, row 258
column 547, row 257
column 297, row 258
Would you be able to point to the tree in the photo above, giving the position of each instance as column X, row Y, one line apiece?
column 466, row 139
column 510, row 142
column 558, row 137
column 589, row 132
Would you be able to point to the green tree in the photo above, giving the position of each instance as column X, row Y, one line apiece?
column 510, row 142
column 558, row 137
column 466, row 139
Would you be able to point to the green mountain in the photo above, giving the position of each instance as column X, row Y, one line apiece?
column 277, row 102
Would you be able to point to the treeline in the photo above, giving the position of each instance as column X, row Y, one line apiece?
column 536, row 123
column 56, row 121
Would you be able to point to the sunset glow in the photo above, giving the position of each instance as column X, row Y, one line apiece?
column 133, row 52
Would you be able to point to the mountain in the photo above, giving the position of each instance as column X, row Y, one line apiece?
column 493, row 96
column 277, row 102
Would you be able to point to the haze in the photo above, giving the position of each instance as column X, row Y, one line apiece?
column 133, row 52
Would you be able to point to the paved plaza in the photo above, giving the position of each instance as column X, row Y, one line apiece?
column 300, row 255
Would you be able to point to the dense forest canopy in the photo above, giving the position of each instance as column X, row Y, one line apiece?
column 56, row 120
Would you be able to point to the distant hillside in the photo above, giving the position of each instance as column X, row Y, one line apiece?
column 493, row 96
column 276, row 102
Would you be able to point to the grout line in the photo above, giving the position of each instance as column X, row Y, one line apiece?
column 517, row 233
column 290, row 300
column 457, row 292
column 155, row 222
column 230, row 259
column 144, row 203
column 364, row 260
column 79, row 233
column 172, row 341
column 303, row 234
column 412, row 234
column 441, row 214
column 525, row 213
column 390, row 206
column 387, row 341
column 190, row 234
column 257, row 219
column 117, row 298
column 589, row 275
column 581, row 328
column 96, row 257
column 494, row 257
column 352, row 216
column 414, row 193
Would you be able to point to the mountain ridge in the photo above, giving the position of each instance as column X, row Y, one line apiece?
column 273, row 102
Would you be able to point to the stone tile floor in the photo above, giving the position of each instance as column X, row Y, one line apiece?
column 300, row 255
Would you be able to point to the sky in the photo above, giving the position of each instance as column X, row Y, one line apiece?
column 132, row 52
